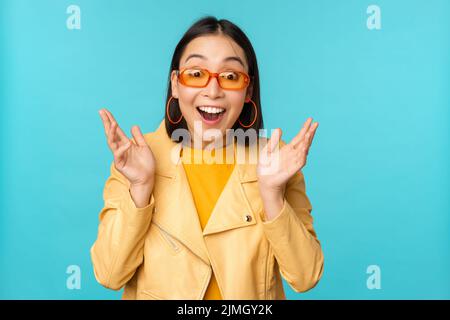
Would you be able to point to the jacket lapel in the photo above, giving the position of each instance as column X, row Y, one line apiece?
column 232, row 209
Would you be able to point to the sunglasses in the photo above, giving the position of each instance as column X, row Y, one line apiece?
column 199, row 78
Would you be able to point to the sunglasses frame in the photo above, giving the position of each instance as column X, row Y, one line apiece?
column 247, row 78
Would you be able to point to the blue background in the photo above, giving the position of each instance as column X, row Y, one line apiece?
column 377, row 173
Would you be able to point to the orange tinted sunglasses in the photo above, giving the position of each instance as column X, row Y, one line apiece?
column 199, row 78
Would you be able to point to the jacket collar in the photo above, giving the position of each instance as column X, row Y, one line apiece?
column 178, row 215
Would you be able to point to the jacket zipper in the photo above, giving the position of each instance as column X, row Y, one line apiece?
column 166, row 236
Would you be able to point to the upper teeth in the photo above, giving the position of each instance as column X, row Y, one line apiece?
column 211, row 109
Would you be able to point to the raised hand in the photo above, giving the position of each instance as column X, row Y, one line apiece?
column 277, row 165
column 133, row 159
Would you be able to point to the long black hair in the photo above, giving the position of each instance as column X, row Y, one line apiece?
column 210, row 25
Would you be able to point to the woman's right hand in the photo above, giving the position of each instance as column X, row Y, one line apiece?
column 133, row 159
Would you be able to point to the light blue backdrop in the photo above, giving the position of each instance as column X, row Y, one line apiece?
column 378, row 171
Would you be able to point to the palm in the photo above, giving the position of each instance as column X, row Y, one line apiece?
column 136, row 162
column 133, row 158
column 278, row 167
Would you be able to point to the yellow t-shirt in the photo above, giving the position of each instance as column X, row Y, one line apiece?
column 207, row 177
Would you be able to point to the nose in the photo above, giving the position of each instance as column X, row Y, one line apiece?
column 213, row 89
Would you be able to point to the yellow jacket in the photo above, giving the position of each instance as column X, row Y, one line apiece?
column 160, row 251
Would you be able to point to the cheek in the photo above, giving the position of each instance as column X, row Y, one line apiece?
column 186, row 97
column 235, row 102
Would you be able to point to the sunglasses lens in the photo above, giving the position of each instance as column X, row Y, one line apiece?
column 232, row 80
column 194, row 77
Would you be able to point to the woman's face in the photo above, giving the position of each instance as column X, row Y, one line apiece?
column 215, row 53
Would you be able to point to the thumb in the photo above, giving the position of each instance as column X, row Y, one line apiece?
column 138, row 137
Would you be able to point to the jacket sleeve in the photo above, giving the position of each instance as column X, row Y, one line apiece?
column 118, row 250
column 293, row 239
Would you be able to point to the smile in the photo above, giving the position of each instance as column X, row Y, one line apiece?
column 211, row 114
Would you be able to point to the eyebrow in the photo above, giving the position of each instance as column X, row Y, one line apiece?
column 196, row 55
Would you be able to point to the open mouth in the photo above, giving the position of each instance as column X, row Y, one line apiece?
column 211, row 114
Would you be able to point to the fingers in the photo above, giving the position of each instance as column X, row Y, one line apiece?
column 114, row 142
column 122, row 136
column 112, row 137
column 302, row 142
column 122, row 149
column 310, row 134
column 299, row 137
column 303, row 146
column 105, row 121
column 138, row 137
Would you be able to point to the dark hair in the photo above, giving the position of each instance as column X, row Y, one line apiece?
column 210, row 25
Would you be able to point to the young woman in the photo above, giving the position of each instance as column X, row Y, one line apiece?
column 180, row 223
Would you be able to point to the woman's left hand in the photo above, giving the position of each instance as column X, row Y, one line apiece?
column 277, row 165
